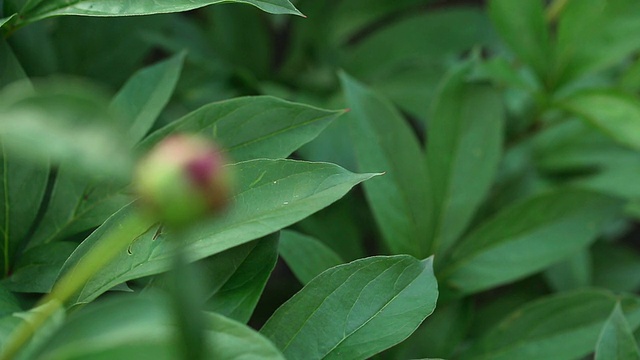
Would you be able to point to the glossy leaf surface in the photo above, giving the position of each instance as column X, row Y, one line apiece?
column 252, row 127
column 271, row 194
column 44, row 9
column 356, row 310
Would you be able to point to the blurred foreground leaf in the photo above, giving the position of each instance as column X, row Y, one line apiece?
column 143, row 328
column 65, row 122
column 77, row 203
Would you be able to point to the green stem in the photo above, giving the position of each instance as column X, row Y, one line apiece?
column 187, row 306
column 555, row 9
column 88, row 266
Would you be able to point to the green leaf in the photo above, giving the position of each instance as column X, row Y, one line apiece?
column 81, row 50
column 229, row 283
column 334, row 144
column 612, row 27
column 563, row 326
column 37, row 269
column 629, row 80
column 340, row 226
column 385, row 142
column 633, row 209
column 252, row 127
column 240, row 25
column 10, row 69
column 523, row 27
column 47, row 9
column 306, row 256
column 22, row 188
column 7, row 324
column 616, row 267
column 395, row 46
column 143, row 328
column 500, row 71
column 8, row 303
column 463, row 152
column 528, row 237
column 412, row 87
column 77, row 203
column 614, row 114
column 239, row 276
column 572, row 273
column 42, row 333
column 616, row 340
column 614, row 179
column 356, row 310
column 575, row 145
column 271, row 194
column 576, row 153
column 33, row 45
column 146, row 93
column 488, row 315
column 441, row 334
column 5, row 20
column 232, row 340
column 64, row 121
column 346, row 18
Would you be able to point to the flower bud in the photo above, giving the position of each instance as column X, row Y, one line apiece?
column 182, row 179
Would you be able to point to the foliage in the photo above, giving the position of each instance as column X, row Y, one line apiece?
column 497, row 143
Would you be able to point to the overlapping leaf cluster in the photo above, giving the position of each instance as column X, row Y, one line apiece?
column 506, row 134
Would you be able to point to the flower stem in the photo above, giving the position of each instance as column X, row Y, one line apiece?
column 88, row 266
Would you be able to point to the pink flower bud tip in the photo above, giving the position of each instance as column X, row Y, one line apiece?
column 182, row 179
